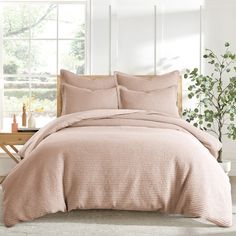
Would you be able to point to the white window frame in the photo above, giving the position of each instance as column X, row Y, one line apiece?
column 86, row 3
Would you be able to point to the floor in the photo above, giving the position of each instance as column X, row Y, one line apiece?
column 114, row 223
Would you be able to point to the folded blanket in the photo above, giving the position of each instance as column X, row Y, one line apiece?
column 119, row 159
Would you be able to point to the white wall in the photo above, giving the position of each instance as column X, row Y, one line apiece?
column 145, row 37
column 219, row 27
column 137, row 36
column 177, row 45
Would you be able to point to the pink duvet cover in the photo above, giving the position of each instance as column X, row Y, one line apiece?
column 118, row 159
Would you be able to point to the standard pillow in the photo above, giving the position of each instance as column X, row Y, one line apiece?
column 163, row 100
column 80, row 99
column 97, row 82
column 143, row 84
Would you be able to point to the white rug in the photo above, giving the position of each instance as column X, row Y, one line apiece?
column 114, row 223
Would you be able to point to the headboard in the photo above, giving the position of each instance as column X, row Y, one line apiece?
column 59, row 99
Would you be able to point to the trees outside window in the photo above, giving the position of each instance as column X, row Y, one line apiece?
column 38, row 39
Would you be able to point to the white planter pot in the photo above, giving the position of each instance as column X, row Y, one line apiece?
column 226, row 166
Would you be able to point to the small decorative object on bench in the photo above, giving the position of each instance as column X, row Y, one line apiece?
column 31, row 121
column 24, row 116
column 14, row 125
column 216, row 96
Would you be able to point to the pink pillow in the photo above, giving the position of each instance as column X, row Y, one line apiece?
column 163, row 101
column 143, row 83
column 76, row 99
column 96, row 82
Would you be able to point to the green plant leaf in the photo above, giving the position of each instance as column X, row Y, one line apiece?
column 215, row 93
column 190, row 87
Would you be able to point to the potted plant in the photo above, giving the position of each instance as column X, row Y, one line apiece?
column 215, row 93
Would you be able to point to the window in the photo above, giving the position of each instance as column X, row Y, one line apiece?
column 37, row 39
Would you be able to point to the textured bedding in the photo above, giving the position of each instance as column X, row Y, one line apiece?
column 118, row 159
column 80, row 99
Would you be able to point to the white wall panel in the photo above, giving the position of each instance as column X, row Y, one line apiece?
column 130, row 45
column 181, row 35
column 219, row 26
column 100, row 36
column 136, row 37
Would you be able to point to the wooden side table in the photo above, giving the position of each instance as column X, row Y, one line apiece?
column 11, row 139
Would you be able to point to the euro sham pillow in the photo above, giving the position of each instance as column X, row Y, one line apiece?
column 76, row 99
column 143, row 83
column 163, row 100
column 158, row 93
column 94, row 83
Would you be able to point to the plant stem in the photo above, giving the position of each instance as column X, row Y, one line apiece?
column 220, row 122
column 220, row 156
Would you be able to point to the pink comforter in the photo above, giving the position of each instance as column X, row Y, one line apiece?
column 118, row 159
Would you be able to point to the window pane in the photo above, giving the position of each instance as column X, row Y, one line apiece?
column 71, row 18
column 43, row 100
column 44, row 20
column 30, row 54
column 43, row 95
column 43, row 57
column 16, row 20
column 16, row 92
column 71, row 55
column 15, row 56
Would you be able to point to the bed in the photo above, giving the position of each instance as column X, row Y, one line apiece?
column 120, row 159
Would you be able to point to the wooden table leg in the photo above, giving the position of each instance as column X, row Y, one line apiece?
column 4, row 148
column 2, row 178
column 14, row 148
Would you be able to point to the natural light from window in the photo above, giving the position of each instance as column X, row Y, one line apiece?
column 37, row 40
